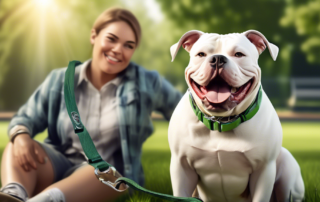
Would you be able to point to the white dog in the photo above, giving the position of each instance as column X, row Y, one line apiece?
column 225, row 136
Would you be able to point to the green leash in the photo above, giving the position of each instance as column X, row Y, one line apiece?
column 88, row 147
column 105, row 172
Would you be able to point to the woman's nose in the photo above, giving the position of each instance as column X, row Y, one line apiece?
column 117, row 48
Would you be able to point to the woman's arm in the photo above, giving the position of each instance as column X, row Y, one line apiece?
column 166, row 98
column 32, row 117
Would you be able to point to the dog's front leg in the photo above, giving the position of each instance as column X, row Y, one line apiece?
column 183, row 177
column 262, row 182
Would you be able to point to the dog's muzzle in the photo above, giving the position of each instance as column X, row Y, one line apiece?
column 218, row 61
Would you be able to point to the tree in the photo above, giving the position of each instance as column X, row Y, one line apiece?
column 305, row 18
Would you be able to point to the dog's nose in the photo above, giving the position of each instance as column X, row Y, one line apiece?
column 218, row 61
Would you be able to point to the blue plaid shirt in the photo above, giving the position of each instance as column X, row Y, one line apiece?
column 140, row 93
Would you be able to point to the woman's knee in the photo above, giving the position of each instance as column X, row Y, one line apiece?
column 8, row 147
column 8, row 155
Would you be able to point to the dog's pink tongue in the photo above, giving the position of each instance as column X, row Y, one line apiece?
column 218, row 91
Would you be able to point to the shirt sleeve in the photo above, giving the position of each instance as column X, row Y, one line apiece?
column 166, row 98
column 33, row 115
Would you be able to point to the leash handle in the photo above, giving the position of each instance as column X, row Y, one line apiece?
column 106, row 173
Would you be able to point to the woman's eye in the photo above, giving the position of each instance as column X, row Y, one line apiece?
column 129, row 46
column 201, row 54
column 239, row 55
column 111, row 39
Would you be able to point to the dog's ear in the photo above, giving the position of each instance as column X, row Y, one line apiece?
column 187, row 41
column 260, row 41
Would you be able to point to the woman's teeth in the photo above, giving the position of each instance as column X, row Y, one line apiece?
column 112, row 58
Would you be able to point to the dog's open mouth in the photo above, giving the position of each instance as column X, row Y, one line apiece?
column 218, row 94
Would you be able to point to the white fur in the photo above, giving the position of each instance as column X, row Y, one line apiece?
column 221, row 165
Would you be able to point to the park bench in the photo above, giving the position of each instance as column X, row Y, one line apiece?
column 305, row 94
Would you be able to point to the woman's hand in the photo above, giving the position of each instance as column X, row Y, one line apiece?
column 26, row 150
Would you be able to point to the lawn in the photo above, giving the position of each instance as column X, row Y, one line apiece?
column 302, row 139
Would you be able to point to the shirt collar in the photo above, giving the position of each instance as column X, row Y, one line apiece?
column 83, row 75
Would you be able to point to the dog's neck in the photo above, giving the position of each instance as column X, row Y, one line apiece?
column 223, row 124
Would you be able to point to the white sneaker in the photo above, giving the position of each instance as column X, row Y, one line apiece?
column 4, row 197
column 12, row 193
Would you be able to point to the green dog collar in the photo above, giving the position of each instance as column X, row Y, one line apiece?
column 215, row 123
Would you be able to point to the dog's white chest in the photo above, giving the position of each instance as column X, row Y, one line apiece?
column 218, row 176
column 222, row 164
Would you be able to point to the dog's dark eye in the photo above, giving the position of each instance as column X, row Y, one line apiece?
column 201, row 54
column 239, row 55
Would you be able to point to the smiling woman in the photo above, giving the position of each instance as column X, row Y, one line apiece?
column 115, row 97
column 114, row 37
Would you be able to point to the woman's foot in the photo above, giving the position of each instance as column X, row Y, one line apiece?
column 9, row 198
column 13, row 192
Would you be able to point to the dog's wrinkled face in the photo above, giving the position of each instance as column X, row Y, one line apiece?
column 223, row 70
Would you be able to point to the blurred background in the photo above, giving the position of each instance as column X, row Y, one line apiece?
column 37, row 36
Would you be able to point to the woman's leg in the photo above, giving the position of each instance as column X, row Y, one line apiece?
column 33, row 181
column 83, row 186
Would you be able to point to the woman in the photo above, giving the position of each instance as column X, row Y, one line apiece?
column 115, row 98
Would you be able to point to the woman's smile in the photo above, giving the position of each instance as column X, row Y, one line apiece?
column 112, row 60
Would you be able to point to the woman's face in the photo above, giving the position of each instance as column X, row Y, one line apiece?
column 113, row 47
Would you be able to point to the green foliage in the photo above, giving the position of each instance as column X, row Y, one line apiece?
column 34, row 39
column 305, row 18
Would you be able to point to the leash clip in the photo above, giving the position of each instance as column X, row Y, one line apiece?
column 109, row 177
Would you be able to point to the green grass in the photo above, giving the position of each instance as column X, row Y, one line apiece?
column 302, row 139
